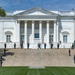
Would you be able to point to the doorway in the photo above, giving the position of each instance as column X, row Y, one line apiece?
column 50, row 38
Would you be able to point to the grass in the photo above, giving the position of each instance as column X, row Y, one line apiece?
column 46, row 71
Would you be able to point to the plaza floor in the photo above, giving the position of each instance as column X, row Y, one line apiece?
column 39, row 57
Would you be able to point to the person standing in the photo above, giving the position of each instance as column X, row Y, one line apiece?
column 69, row 52
column 44, row 45
column 74, row 58
column 39, row 45
column 1, row 60
column 4, row 52
column 28, row 45
column 14, row 45
column 21, row 45
column 5, row 45
column 58, row 46
column 51, row 46
column 72, row 46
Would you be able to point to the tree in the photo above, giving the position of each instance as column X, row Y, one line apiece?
column 2, row 12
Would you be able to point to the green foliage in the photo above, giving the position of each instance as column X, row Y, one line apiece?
column 2, row 12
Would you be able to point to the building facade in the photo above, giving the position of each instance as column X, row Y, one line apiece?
column 38, row 25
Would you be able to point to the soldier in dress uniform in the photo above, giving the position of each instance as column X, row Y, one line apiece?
column 5, row 45
column 44, row 45
column 14, row 45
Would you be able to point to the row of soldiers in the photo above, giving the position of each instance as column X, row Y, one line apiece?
column 39, row 45
column 21, row 45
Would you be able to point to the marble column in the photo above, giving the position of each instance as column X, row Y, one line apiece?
column 47, row 32
column 32, row 31
column 25, row 30
column 40, row 31
column 55, row 32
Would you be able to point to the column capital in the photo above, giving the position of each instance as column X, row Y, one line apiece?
column 18, row 21
column 48, row 21
column 32, row 21
column 25, row 21
column 55, row 21
column 40, row 21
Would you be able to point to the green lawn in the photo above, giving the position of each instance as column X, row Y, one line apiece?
column 46, row 71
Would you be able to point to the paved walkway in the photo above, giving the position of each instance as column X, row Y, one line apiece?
column 39, row 57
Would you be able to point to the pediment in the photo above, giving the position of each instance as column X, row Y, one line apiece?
column 36, row 11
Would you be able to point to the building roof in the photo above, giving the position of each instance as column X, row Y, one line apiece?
column 40, row 11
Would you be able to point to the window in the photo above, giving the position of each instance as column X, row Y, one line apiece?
column 8, row 38
column 36, row 35
column 65, row 38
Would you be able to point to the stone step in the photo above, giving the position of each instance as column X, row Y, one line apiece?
column 36, row 67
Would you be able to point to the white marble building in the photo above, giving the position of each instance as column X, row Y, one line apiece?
column 38, row 25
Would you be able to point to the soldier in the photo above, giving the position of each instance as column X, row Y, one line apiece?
column 72, row 46
column 44, row 45
column 69, row 52
column 1, row 60
column 14, row 45
column 28, row 45
column 21, row 45
column 51, row 46
column 5, row 45
column 4, row 52
column 58, row 46
column 39, row 46
column 74, row 58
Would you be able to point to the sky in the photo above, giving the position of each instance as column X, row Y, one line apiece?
column 12, row 5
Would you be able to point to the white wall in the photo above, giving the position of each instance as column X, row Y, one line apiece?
column 1, row 31
column 67, row 26
column 8, row 26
